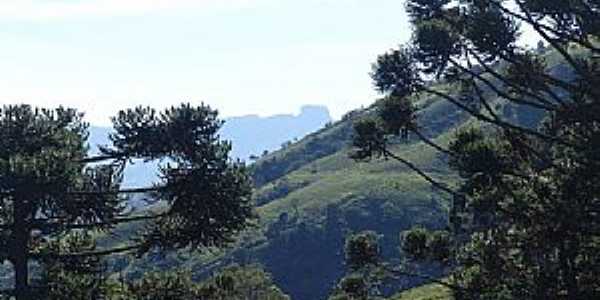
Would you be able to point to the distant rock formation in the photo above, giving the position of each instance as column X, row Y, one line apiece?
column 251, row 135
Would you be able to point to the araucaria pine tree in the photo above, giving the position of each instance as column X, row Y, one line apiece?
column 526, row 212
column 51, row 189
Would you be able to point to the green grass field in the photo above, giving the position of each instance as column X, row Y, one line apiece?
column 426, row 292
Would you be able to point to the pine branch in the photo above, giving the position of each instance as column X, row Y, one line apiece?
column 498, row 92
column 85, row 254
column 498, row 123
column 101, row 158
column 44, row 224
column 421, row 173
column 118, row 192
column 537, row 26
column 103, row 193
column 581, row 42
column 430, row 142
column 506, row 82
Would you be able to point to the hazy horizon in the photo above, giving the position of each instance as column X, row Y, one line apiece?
column 262, row 57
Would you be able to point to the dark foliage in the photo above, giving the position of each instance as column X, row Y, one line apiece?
column 524, row 216
column 49, row 188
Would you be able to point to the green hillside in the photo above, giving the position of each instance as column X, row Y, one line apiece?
column 426, row 292
column 320, row 185
column 311, row 195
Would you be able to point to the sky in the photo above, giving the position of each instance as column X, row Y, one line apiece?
column 240, row 56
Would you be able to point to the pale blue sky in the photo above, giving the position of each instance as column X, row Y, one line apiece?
column 240, row 56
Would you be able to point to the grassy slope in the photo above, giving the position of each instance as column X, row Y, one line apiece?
column 316, row 182
column 426, row 292
column 381, row 195
column 336, row 179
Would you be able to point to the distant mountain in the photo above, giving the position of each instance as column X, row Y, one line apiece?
column 250, row 135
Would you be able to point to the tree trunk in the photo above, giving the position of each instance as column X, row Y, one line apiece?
column 570, row 280
column 21, row 278
column 20, row 253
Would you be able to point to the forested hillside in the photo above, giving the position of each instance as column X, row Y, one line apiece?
column 311, row 195
column 474, row 175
